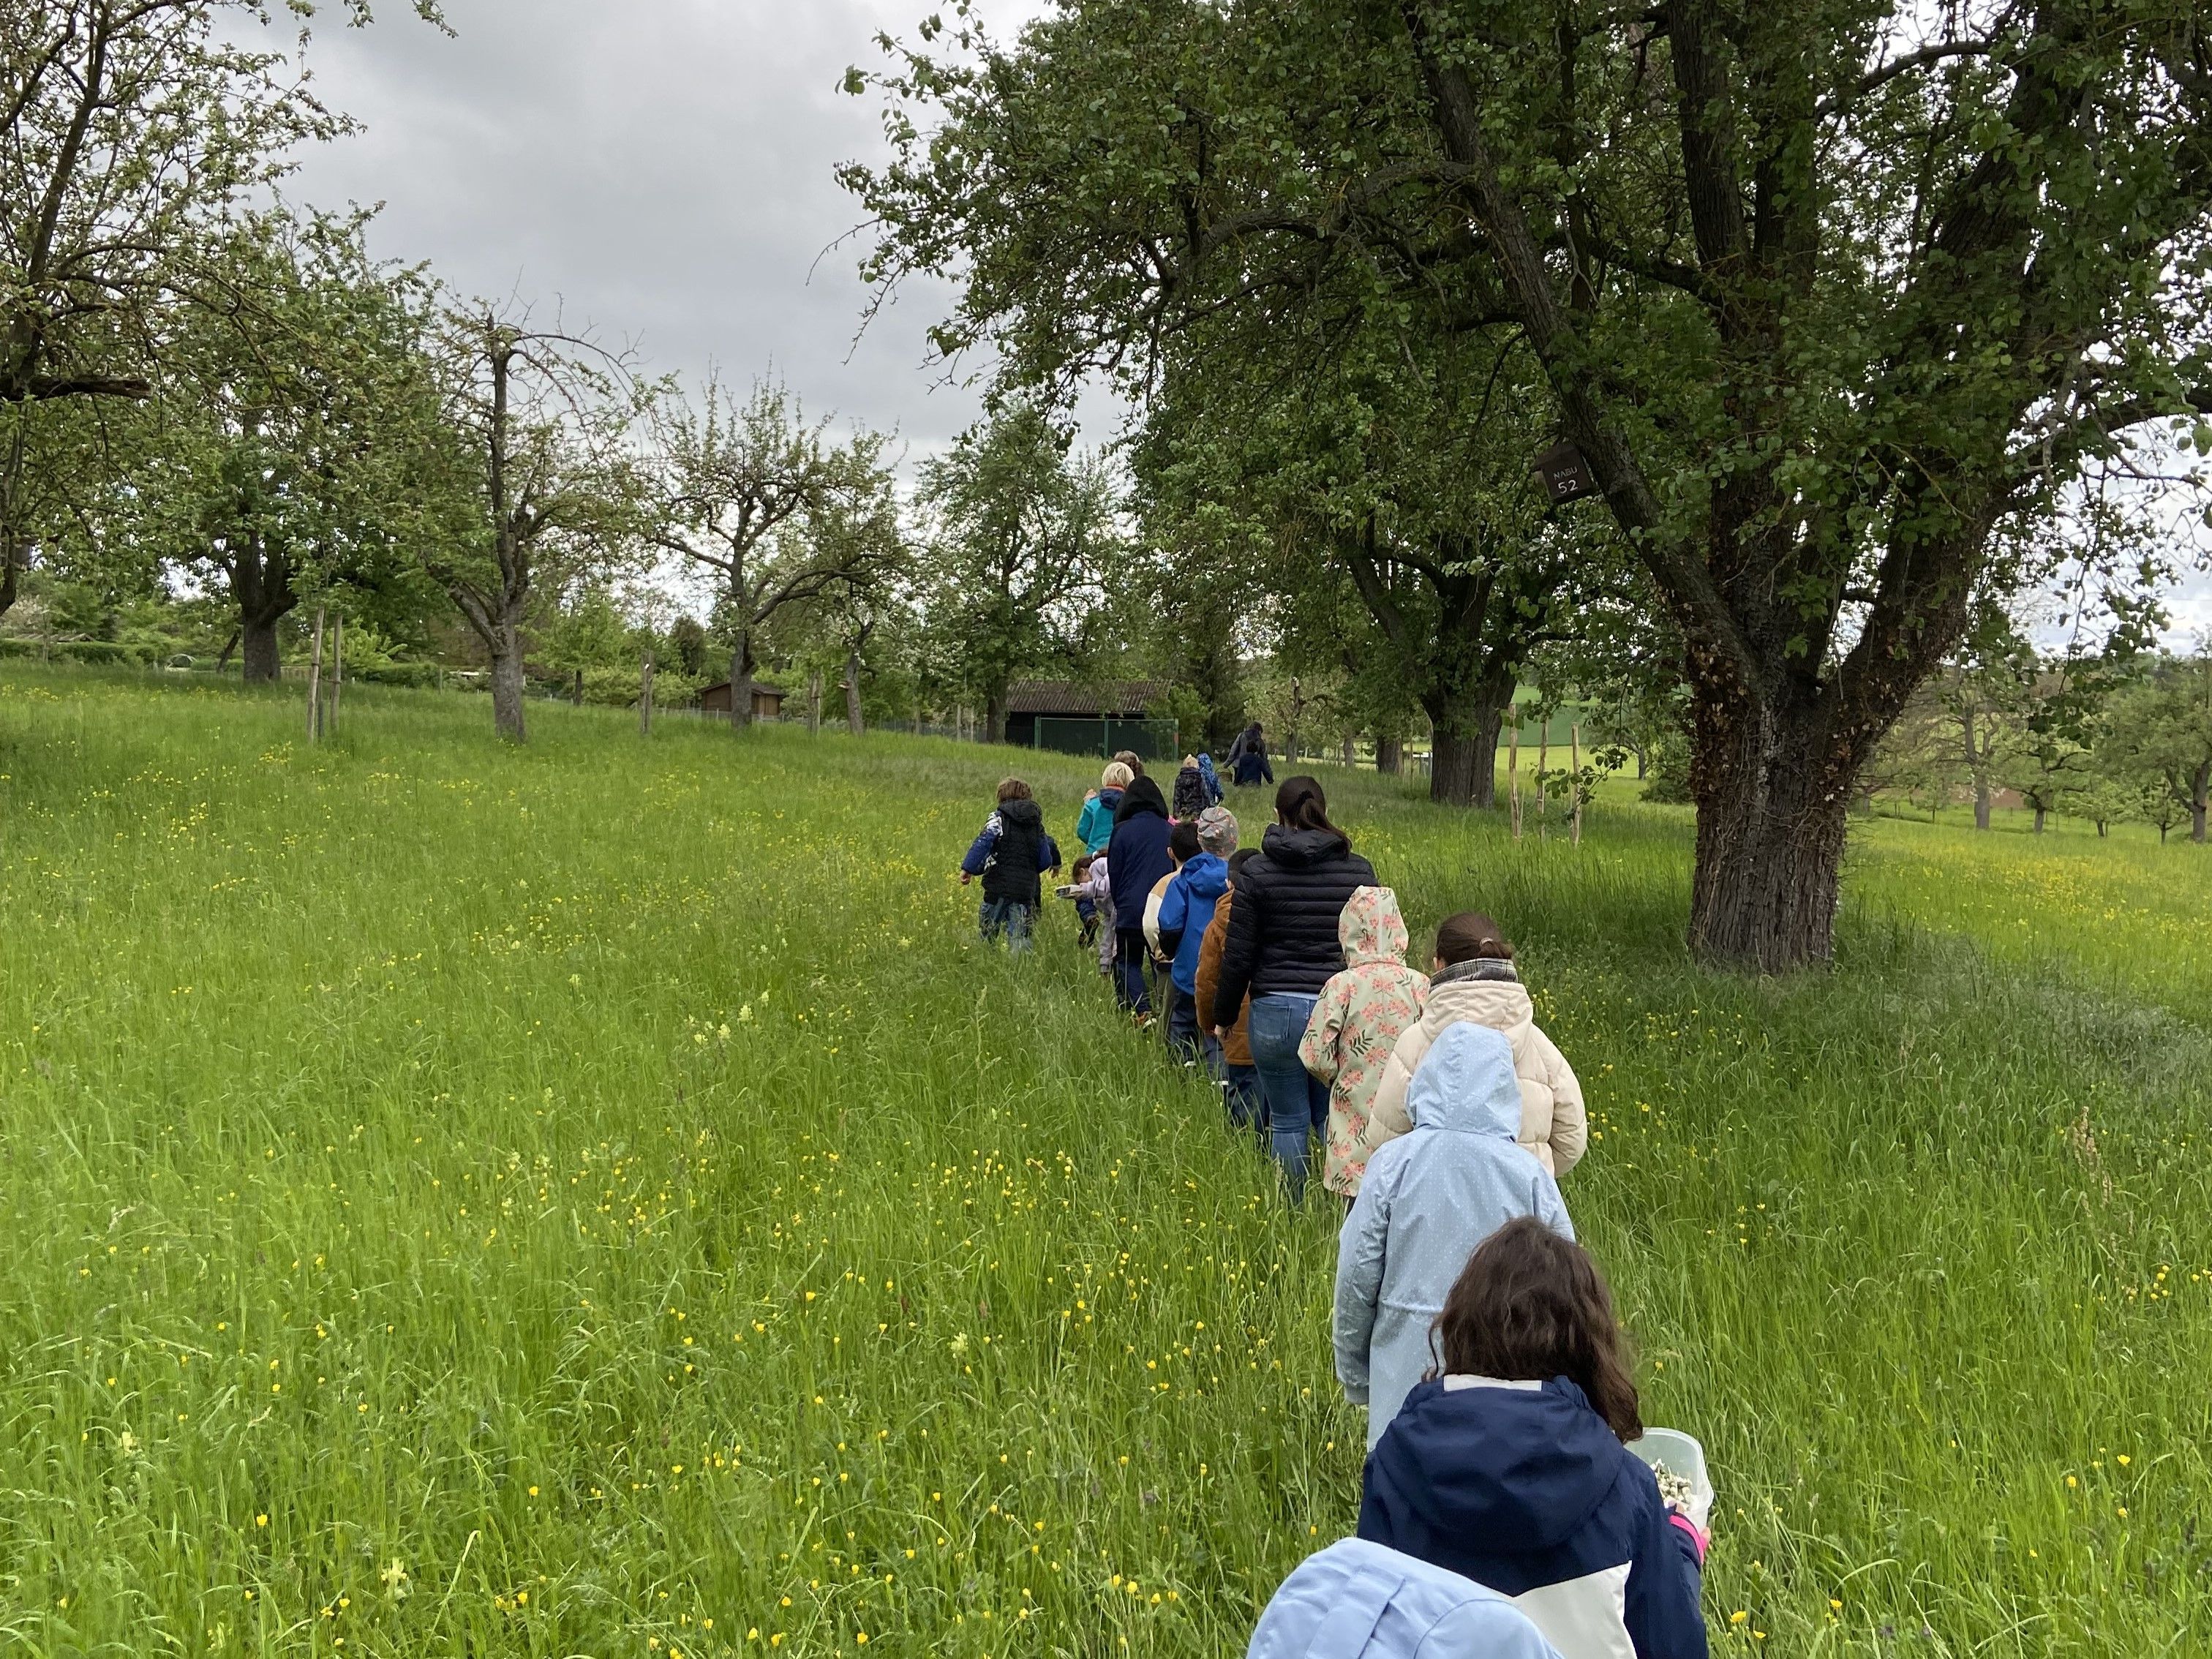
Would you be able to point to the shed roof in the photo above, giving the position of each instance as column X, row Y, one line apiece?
column 1068, row 697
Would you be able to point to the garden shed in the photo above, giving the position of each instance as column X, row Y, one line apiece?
column 768, row 700
column 1075, row 718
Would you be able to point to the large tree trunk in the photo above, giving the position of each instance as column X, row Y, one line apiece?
column 995, row 716
column 506, row 682
column 1466, row 722
column 2200, row 788
column 1771, row 806
column 853, row 723
column 1390, row 756
column 257, row 649
column 741, row 680
column 2039, row 810
column 261, row 584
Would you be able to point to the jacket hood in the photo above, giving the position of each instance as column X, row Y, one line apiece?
column 1024, row 814
column 1504, row 1004
column 1109, row 799
column 1142, row 796
column 1529, row 1465
column 1206, row 876
column 1467, row 1083
column 1371, row 929
column 1302, row 848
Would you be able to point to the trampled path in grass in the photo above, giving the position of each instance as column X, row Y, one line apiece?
column 546, row 1201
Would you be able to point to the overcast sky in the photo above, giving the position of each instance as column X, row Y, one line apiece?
column 662, row 169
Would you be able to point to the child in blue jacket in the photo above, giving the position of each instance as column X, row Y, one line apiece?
column 1512, row 1468
column 1358, row 1601
column 1184, row 913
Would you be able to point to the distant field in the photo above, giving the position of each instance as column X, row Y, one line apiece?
column 598, row 1198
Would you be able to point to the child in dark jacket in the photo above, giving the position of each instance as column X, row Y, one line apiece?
column 1010, row 854
column 1138, row 856
column 1512, row 1468
column 1190, row 796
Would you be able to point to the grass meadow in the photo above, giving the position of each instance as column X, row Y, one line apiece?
column 598, row 1198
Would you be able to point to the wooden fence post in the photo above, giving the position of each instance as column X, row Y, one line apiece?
column 338, row 667
column 1513, row 770
column 814, row 704
column 1575, row 773
column 1543, row 782
column 645, row 696
column 315, row 682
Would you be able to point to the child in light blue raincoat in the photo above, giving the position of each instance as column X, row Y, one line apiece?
column 1360, row 1600
column 1428, row 1199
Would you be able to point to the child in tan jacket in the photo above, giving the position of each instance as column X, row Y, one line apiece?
column 1475, row 981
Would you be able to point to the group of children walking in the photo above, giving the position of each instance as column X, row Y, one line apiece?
column 1479, row 1336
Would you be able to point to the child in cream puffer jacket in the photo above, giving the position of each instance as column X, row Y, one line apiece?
column 1475, row 981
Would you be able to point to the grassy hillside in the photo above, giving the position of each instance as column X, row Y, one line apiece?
column 597, row 1198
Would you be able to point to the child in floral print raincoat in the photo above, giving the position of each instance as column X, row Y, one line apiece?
column 1357, row 1022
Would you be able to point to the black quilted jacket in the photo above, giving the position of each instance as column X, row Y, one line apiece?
column 1282, row 929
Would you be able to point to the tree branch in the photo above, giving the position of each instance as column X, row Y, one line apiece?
column 1835, row 103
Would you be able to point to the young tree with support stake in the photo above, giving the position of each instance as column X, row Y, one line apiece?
column 1825, row 294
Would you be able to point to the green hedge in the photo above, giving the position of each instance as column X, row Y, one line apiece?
column 107, row 652
column 423, row 676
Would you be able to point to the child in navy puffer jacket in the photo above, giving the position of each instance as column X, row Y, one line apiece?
column 1512, row 1466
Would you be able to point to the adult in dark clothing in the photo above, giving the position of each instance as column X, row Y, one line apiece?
column 1282, row 948
column 1248, row 758
column 1511, row 1468
column 1138, row 857
column 1010, row 855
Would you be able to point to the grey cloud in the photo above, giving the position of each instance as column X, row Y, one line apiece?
column 659, row 168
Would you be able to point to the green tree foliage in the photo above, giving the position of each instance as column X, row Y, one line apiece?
column 275, row 454
column 525, row 480
column 1394, row 463
column 1021, row 538
column 2158, row 741
column 1823, row 295
column 127, row 131
column 778, row 515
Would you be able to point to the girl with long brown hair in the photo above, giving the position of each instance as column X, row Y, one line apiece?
column 1509, row 1465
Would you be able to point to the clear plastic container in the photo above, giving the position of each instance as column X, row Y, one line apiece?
column 1682, row 1455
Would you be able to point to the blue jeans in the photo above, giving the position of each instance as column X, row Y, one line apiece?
column 1185, row 1041
column 1297, row 1102
column 1129, row 986
column 1011, row 917
column 1240, row 1093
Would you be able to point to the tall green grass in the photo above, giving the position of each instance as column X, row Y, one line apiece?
column 544, row 1201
